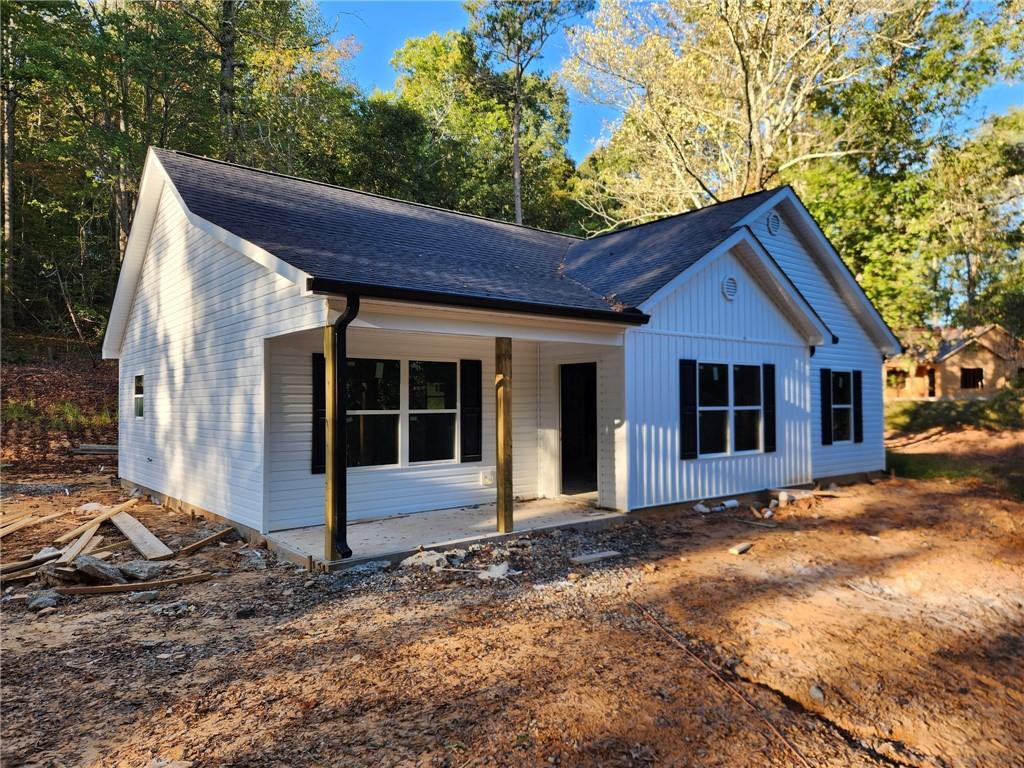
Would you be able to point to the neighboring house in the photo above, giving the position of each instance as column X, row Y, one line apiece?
column 954, row 363
column 721, row 351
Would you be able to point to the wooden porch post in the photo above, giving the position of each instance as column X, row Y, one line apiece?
column 503, row 410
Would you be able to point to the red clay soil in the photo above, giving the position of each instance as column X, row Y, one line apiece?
column 880, row 628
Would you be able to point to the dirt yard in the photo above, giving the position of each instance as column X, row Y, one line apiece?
column 882, row 627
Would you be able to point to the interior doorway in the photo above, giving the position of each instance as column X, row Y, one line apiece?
column 579, row 427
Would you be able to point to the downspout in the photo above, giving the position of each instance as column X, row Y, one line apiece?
column 339, row 500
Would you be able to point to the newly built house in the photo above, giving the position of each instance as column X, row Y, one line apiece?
column 297, row 354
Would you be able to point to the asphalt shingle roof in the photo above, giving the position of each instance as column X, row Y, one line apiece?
column 349, row 237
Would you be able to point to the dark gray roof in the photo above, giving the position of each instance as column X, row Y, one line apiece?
column 627, row 266
column 344, row 238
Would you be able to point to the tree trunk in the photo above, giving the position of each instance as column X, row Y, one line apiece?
column 517, row 171
column 8, row 206
column 226, row 39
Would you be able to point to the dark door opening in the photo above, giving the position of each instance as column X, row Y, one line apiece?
column 931, row 382
column 579, row 427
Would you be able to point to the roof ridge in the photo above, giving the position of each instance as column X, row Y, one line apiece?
column 684, row 213
column 367, row 194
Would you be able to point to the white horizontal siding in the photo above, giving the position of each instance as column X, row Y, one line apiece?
column 855, row 351
column 296, row 496
column 611, row 437
column 696, row 322
column 195, row 332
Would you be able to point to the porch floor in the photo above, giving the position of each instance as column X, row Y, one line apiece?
column 393, row 537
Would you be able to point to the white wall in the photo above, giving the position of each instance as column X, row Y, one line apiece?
column 696, row 322
column 611, row 429
column 195, row 332
column 855, row 351
column 296, row 496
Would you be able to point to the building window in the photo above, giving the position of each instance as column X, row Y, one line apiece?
column 842, row 406
column 728, row 408
column 374, row 411
column 972, row 378
column 896, row 378
column 433, row 410
column 140, row 405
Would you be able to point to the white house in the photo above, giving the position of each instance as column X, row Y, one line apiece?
column 293, row 353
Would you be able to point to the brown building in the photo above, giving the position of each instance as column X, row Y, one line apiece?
column 954, row 363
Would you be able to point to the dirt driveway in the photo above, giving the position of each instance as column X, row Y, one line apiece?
column 880, row 628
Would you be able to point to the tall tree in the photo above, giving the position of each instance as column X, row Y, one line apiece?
column 514, row 32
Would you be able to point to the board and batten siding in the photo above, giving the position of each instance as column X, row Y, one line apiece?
column 611, row 429
column 296, row 495
column 195, row 332
column 697, row 322
column 855, row 351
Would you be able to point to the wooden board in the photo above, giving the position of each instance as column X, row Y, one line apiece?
column 13, row 517
column 196, row 546
column 75, row 549
column 23, row 576
column 31, row 521
column 135, row 586
column 21, row 565
column 93, row 545
column 149, row 546
column 64, row 538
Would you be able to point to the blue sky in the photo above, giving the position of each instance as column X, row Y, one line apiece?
column 382, row 26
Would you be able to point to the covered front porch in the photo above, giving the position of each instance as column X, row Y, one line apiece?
column 459, row 425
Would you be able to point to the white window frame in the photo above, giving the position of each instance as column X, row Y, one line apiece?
column 404, row 411
column 730, row 409
column 841, row 406
column 137, row 397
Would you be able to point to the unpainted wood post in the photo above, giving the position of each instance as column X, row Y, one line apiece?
column 503, row 410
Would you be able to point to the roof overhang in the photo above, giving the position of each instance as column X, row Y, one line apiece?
column 329, row 287
column 745, row 246
column 832, row 265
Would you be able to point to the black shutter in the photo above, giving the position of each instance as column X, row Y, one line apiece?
column 826, row 406
column 687, row 409
column 470, row 399
column 768, row 387
column 858, row 414
column 319, row 462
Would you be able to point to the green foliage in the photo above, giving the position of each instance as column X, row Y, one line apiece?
column 938, row 466
column 1003, row 410
column 64, row 415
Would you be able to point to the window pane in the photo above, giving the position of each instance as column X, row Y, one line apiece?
column 139, row 406
column 372, row 440
column 747, row 430
column 714, row 384
column 713, row 431
column 431, row 436
column 840, row 424
column 138, row 385
column 841, row 388
column 746, row 384
column 432, row 386
column 971, row 378
column 373, row 385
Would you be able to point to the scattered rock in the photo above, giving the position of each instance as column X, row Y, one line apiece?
column 816, row 693
column 142, row 570
column 46, row 612
column 97, row 570
column 370, row 567
column 739, row 549
column 46, row 552
column 91, row 506
column 143, row 597
column 309, row 584
column 594, row 557
column 425, row 559
column 455, row 556
column 245, row 612
column 650, row 567
column 572, row 576
column 45, row 599
column 519, row 544
column 497, row 571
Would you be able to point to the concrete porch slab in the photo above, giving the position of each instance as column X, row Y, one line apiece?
column 396, row 537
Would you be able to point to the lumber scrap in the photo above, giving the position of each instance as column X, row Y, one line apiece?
column 10, row 517
column 20, row 565
column 102, row 517
column 31, row 521
column 143, row 539
column 197, row 545
column 74, row 549
column 93, row 544
column 107, row 548
column 135, row 586
column 95, row 448
column 19, row 577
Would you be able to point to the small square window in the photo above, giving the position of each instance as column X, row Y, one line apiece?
column 714, row 431
column 431, row 436
column 972, row 378
column 747, row 430
column 842, row 389
column 714, row 384
column 432, row 386
column 840, row 424
column 372, row 440
column 140, row 405
column 746, row 385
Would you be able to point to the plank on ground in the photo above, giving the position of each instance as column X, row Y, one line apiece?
column 143, row 539
column 197, row 545
column 134, row 586
column 102, row 517
column 73, row 550
column 31, row 521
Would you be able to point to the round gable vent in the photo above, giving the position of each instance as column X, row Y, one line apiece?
column 774, row 222
column 729, row 288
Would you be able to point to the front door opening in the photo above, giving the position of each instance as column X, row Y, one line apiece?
column 579, row 427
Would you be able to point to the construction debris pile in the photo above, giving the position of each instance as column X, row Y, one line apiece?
column 76, row 561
